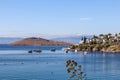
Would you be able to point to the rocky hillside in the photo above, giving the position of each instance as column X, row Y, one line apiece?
column 113, row 48
column 33, row 41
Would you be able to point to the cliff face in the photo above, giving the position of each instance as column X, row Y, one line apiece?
column 33, row 41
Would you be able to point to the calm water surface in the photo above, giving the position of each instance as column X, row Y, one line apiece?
column 17, row 64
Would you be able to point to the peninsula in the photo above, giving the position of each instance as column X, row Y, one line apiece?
column 104, row 43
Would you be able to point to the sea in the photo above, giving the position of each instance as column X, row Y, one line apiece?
column 17, row 64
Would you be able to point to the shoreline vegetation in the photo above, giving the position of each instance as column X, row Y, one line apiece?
column 102, row 43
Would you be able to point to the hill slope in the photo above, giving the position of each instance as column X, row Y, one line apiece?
column 33, row 41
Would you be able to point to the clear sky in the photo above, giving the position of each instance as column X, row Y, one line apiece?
column 23, row 18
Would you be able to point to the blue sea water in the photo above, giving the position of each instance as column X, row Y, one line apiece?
column 17, row 64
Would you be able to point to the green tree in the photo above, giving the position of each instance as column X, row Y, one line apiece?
column 75, row 70
column 116, row 34
column 84, row 39
column 109, row 34
column 95, row 37
column 101, row 35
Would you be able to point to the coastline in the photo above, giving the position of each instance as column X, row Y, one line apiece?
column 102, row 43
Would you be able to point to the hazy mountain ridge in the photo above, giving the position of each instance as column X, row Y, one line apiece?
column 8, row 40
column 68, row 39
column 72, row 39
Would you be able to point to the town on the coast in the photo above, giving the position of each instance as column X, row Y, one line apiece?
column 103, row 43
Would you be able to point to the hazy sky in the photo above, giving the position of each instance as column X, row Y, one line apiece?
column 58, row 17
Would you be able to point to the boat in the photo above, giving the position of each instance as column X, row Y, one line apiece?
column 53, row 49
column 37, row 50
column 66, row 51
column 76, row 50
column 30, row 51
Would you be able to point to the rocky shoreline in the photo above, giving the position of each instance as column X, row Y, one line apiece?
column 112, row 48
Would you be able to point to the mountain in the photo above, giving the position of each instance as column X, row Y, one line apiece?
column 8, row 40
column 33, row 41
column 72, row 39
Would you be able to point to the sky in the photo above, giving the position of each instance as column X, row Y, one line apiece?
column 54, row 18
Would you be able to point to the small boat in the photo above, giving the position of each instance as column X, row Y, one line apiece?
column 37, row 50
column 85, row 52
column 53, row 49
column 76, row 50
column 66, row 51
column 30, row 51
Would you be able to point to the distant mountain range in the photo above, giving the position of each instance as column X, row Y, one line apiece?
column 8, row 40
column 72, row 39
column 68, row 39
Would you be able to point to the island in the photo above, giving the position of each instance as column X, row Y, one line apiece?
column 103, row 43
column 34, row 41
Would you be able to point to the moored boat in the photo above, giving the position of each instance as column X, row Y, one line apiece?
column 53, row 49
column 30, row 51
column 37, row 50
